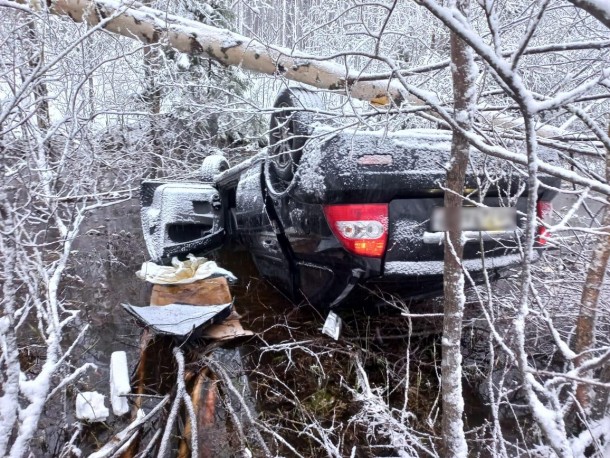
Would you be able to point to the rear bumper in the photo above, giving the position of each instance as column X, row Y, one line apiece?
column 424, row 279
column 405, row 279
column 399, row 270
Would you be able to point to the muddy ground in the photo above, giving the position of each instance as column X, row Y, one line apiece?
column 303, row 389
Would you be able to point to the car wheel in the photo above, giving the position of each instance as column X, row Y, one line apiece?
column 290, row 129
column 212, row 166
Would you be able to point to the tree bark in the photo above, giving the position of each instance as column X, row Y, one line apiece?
column 40, row 88
column 152, row 98
column 589, row 302
column 463, row 71
column 152, row 26
column 594, row 9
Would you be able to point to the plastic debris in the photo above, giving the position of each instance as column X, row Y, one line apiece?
column 119, row 383
column 90, row 407
column 182, row 272
column 179, row 319
column 332, row 326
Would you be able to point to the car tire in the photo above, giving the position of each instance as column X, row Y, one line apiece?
column 212, row 166
column 289, row 129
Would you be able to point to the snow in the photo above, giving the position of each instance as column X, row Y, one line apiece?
column 183, row 62
column 119, row 383
column 243, row 166
column 553, row 83
column 436, row 267
column 380, row 418
column 590, row 435
column 90, row 407
column 562, row 98
column 249, row 191
column 341, row 159
column 178, row 319
column 174, row 203
column 338, row 163
column 311, row 170
column 107, row 449
column 234, row 49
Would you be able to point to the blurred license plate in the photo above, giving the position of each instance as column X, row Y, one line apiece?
column 479, row 219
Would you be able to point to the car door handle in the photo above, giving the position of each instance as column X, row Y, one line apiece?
column 269, row 243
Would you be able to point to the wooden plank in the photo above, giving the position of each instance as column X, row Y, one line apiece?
column 230, row 328
column 203, row 395
column 150, row 376
column 211, row 291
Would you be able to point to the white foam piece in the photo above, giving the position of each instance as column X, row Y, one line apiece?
column 90, row 406
column 333, row 325
column 119, row 383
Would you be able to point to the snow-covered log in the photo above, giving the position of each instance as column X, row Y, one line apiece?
column 148, row 25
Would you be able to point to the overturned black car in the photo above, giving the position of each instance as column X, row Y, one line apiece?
column 325, row 208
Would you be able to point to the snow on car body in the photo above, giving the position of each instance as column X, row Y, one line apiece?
column 355, row 208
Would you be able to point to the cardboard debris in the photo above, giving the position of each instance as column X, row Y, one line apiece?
column 212, row 291
column 200, row 301
column 230, row 328
column 180, row 320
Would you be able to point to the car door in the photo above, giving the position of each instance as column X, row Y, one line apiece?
column 259, row 230
column 180, row 218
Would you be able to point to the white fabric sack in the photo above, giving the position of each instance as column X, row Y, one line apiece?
column 181, row 272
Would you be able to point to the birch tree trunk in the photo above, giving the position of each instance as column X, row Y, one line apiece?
column 152, row 98
column 463, row 71
column 589, row 302
column 35, row 62
column 228, row 48
column 599, row 11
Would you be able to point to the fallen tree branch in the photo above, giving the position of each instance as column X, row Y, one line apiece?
column 228, row 48
column 120, row 439
column 598, row 10
column 181, row 396
column 571, row 46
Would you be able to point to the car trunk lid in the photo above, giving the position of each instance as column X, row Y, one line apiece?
column 412, row 237
column 359, row 167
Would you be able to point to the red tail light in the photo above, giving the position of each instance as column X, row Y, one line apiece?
column 544, row 210
column 361, row 228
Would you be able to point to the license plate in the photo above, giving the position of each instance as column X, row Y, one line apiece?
column 478, row 219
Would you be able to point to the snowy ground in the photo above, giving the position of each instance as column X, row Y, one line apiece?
column 297, row 376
